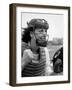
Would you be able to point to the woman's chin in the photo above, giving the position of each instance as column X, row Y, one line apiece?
column 42, row 43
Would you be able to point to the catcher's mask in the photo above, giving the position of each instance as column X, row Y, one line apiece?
column 38, row 24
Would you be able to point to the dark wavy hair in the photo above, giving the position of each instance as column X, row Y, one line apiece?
column 26, row 34
column 26, row 37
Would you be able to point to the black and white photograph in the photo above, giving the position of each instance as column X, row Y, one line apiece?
column 42, row 46
column 42, row 54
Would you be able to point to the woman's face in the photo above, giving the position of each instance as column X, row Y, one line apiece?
column 41, row 35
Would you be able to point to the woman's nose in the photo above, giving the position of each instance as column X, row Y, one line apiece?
column 44, row 32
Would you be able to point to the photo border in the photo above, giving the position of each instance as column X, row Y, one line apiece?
column 12, row 48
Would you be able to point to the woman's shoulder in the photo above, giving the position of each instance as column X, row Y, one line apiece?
column 24, row 46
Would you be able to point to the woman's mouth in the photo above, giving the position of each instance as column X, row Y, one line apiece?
column 43, row 38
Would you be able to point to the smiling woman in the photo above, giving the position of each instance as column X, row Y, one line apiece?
column 37, row 31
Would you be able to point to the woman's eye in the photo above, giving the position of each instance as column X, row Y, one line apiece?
column 45, row 30
column 41, row 30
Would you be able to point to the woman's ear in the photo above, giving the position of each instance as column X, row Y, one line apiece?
column 31, row 34
column 33, row 42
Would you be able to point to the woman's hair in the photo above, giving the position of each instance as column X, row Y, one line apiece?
column 32, row 25
column 26, row 34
